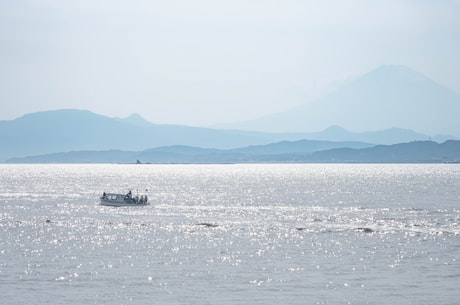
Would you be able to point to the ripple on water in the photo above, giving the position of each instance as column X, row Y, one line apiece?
column 330, row 234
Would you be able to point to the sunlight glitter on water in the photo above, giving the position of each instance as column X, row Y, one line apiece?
column 231, row 234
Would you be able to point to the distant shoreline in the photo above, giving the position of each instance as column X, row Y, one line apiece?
column 223, row 163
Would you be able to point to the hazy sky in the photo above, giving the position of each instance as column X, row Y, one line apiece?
column 208, row 61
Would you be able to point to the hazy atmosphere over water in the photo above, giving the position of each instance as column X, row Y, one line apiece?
column 205, row 62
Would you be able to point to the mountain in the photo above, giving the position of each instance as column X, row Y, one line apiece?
column 413, row 152
column 188, row 154
column 387, row 136
column 76, row 130
column 80, row 130
column 387, row 97
column 282, row 152
column 301, row 146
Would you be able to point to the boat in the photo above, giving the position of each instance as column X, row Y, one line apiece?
column 123, row 200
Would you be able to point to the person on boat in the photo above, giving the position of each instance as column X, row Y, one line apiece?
column 103, row 195
column 129, row 194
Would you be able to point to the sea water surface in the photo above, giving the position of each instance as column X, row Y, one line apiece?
column 231, row 234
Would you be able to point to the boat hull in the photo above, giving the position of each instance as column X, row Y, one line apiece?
column 120, row 200
column 122, row 204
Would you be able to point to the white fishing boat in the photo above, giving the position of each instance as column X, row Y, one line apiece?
column 122, row 200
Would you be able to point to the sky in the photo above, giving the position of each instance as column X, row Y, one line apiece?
column 205, row 62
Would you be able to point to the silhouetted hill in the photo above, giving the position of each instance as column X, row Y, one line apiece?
column 387, row 97
column 188, row 154
column 253, row 153
column 413, row 152
column 301, row 146
column 387, row 136
column 299, row 151
column 79, row 130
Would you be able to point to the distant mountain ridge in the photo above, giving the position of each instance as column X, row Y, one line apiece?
column 189, row 154
column 388, row 136
column 391, row 104
column 81, row 130
column 283, row 152
column 70, row 129
column 413, row 152
column 389, row 96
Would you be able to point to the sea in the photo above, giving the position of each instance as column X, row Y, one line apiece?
column 231, row 234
